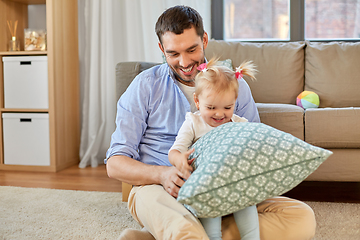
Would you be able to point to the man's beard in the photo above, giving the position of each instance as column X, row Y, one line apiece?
column 177, row 76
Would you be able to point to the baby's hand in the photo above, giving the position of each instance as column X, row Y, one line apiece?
column 183, row 163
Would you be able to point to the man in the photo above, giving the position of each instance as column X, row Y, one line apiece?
column 149, row 116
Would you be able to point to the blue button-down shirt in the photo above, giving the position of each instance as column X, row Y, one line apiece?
column 151, row 112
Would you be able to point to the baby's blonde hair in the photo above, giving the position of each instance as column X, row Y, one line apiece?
column 221, row 78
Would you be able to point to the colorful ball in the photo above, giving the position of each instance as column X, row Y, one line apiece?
column 308, row 99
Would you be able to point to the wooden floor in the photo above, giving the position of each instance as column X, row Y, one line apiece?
column 95, row 179
column 73, row 178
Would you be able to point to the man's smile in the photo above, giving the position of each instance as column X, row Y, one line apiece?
column 187, row 70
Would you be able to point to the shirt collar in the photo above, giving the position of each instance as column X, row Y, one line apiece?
column 171, row 74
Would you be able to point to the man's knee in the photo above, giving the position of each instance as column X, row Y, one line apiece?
column 285, row 218
column 306, row 223
column 279, row 219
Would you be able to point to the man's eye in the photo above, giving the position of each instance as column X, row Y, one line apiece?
column 192, row 50
column 172, row 54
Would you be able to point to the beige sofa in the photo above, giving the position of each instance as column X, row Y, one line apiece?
column 332, row 70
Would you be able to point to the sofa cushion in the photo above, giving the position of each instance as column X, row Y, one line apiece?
column 241, row 164
column 281, row 67
column 333, row 72
column 285, row 117
column 342, row 166
column 333, row 127
column 126, row 72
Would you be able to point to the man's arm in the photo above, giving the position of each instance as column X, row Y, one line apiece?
column 134, row 172
column 246, row 105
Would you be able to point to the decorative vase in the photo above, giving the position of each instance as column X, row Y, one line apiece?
column 14, row 44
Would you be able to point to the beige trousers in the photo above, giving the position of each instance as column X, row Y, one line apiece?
column 280, row 218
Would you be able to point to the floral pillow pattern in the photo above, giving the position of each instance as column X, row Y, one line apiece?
column 241, row 164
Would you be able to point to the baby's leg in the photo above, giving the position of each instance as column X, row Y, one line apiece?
column 247, row 221
column 212, row 227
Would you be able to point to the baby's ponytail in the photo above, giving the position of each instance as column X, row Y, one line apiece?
column 247, row 68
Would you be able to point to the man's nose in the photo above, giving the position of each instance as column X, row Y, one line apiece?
column 184, row 61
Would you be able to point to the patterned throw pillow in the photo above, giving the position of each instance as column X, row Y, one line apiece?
column 241, row 164
column 226, row 63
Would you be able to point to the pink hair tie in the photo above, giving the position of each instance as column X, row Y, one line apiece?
column 238, row 73
column 202, row 67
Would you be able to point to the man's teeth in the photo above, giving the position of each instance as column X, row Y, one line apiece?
column 187, row 69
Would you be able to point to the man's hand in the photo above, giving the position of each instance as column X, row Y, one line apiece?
column 172, row 180
column 131, row 171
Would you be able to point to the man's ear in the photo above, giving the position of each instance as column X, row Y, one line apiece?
column 161, row 48
column 196, row 100
column 205, row 39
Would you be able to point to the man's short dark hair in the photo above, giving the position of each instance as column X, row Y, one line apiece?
column 177, row 19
